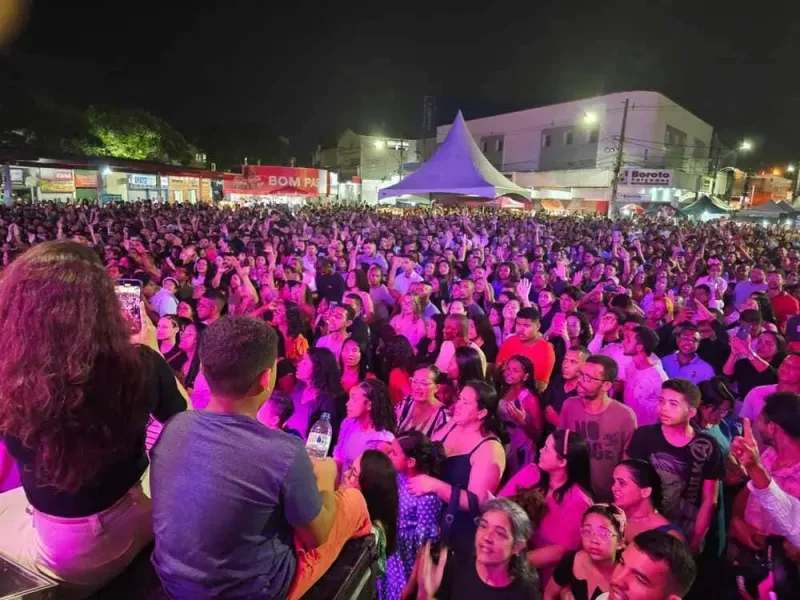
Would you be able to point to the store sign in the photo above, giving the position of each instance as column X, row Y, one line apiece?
column 185, row 180
column 635, row 176
column 273, row 181
column 17, row 176
column 85, row 179
column 56, row 181
column 145, row 181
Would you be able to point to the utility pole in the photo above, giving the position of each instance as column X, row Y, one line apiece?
column 402, row 151
column 618, row 165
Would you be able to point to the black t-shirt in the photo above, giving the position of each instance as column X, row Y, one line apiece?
column 746, row 376
column 555, row 395
column 564, row 576
column 460, row 580
column 682, row 470
column 161, row 398
column 330, row 287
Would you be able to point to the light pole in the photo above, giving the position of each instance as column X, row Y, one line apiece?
column 380, row 144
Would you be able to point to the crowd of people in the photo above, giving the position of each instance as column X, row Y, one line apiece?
column 521, row 405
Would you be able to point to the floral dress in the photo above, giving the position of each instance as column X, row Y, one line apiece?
column 417, row 522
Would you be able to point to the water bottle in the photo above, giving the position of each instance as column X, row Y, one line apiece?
column 319, row 440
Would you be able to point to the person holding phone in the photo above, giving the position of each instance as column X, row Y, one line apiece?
column 80, row 466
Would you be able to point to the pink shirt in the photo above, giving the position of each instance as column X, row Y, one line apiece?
column 561, row 523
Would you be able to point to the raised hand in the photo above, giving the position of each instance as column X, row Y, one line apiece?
column 429, row 575
column 524, row 289
column 745, row 449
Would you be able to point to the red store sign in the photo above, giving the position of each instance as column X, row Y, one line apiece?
column 273, row 181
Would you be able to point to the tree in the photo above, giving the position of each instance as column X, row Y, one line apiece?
column 138, row 135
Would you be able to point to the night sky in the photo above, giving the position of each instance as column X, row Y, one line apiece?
column 235, row 72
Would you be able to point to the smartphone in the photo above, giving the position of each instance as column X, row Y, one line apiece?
column 610, row 288
column 690, row 304
column 743, row 333
column 129, row 293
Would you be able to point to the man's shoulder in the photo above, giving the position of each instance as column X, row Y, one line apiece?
column 618, row 408
column 761, row 391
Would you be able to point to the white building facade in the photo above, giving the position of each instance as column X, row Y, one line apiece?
column 567, row 152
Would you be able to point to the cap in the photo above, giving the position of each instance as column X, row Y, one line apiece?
column 793, row 329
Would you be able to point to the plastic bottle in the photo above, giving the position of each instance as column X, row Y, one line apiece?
column 319, row 440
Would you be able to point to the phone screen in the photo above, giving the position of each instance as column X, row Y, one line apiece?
column 743, row 333
column 129, row 294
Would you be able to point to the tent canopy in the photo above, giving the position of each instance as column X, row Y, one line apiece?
column 768, row 210
column 704, row 204
column 457, row 167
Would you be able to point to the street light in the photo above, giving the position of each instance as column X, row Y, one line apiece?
column 590, row 118
column 379, row 144
column 790, row 169
column 746, row 145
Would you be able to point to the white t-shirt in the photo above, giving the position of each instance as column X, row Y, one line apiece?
column 643, row 391
column 353, row 441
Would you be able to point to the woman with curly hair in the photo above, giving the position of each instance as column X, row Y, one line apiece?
column 370, row 421
column 397, row 366
column 288, row 322
column 354, row 363
column 318, row 390
column 76, row 393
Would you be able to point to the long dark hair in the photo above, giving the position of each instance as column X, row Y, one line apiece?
column 378, row 483
column 644, row 475
column 325, row 375
column 765, row 307
column 470, row 366
column 194, row 368
column 381, row 411
column 585, row 335
column 428, row 456
column 578, row 463
column 488, row 401
column 294, row 319
column 397, row 353
column 71, row 382
column 362, row 283
column 363, row 365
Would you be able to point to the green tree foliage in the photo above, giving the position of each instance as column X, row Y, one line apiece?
column 138, row 135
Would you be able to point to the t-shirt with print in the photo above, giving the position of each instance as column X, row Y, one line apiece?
column 607, row 434
column 223, row 525
column 643, row 390
column 682, row 471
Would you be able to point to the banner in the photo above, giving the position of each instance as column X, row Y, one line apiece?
column 273, row 181
column 654, row 177
column 85, row 179
column 56, row 181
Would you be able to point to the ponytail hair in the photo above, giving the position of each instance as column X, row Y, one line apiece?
column 488, row 401
column 428, row 456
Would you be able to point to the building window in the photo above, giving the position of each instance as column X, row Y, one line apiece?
column 193, row 196
column 568, row 137
column 178, row 195
column 484, row 146
column 546, row 141
column 499, row 145
column 594, row 136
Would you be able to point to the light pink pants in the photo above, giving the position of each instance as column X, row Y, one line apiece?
column 83, row 553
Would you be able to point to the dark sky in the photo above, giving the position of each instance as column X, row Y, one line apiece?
column 246, row 72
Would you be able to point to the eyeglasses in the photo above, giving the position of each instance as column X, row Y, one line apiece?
column 587, row 377
column 420, row 382
column 603, row 535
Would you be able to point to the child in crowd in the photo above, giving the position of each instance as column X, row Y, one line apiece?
column 276, row 411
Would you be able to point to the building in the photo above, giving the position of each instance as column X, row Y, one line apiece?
column 365, row 163
column 568, row 152
column 68, row 178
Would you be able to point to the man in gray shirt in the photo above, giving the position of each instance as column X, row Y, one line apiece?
column 233, row 501
column 606, row 424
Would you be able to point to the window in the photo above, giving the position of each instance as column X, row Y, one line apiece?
column 546, row 141
column 499, row 145
column 193, row 196
column 594, row 136
column 568, row 137
column 178, row 196
column 484, row 147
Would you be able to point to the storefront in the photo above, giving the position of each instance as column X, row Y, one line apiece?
column 189, row 189
column 145, row 187
column 56, row 184
column 85, row 185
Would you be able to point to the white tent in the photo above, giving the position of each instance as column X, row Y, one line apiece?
column 457, row 167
